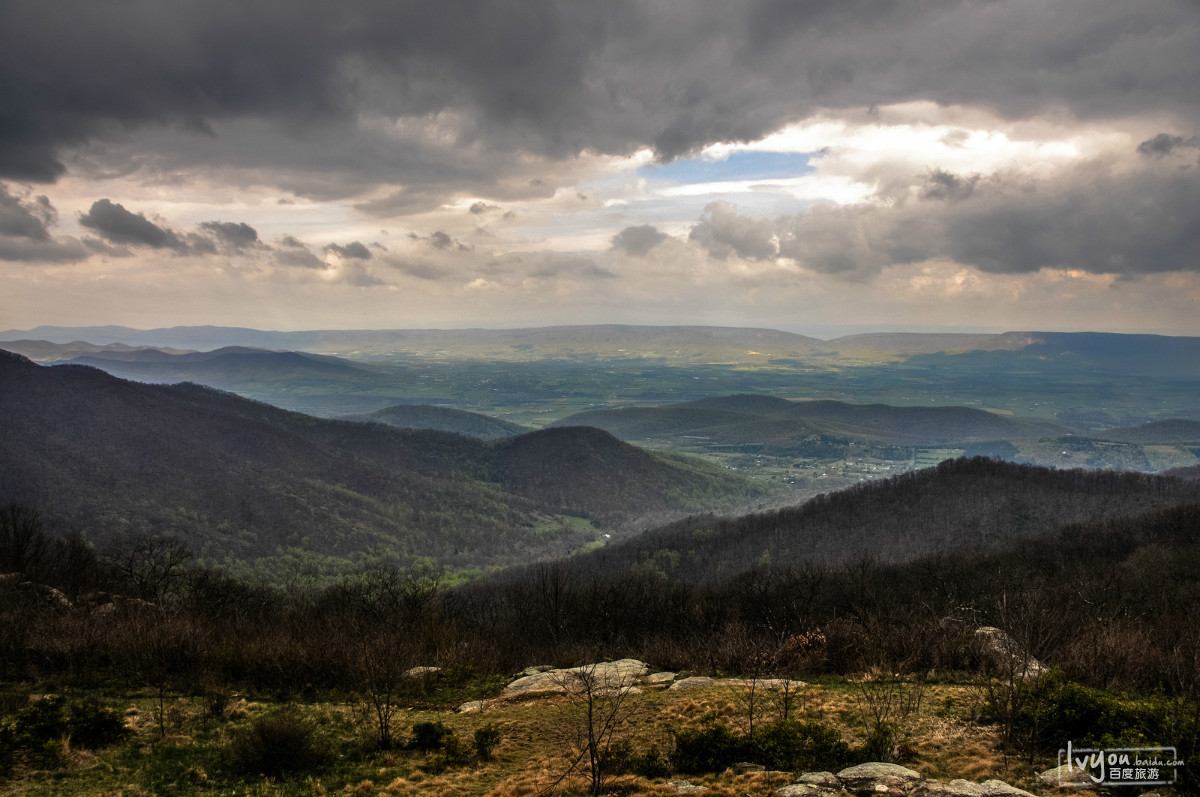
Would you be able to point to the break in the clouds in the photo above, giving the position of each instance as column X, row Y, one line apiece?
column 470, row 159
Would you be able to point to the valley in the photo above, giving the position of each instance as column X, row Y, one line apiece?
column 201, row 567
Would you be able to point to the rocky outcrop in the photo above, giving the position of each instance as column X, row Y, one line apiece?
column 606, row 677
column 875, row 778
column 656, row 678
column 965, row 788
column 869, row 778
column 694, row 682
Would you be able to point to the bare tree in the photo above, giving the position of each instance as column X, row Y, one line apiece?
column 600, row 707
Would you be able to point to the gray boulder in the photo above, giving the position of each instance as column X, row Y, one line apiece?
column 695, row 682
column 825, row 780
column 605, row 678
column 876, row 777
column 965, row 788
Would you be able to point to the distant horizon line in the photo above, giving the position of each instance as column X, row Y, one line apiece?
column 826, row 332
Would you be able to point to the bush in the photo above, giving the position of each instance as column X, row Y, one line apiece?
column 878, row 744
column 710, row 748
column 41, row 727
column 650, row 764
column 40, row 722
column 486, row 740
column 279, row 743
column 93, row 726
column 454, row 753
column 430, row 735
column 791, row 745
column 8, row 749
column 782, row 744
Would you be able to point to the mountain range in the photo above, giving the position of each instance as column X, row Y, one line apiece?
column 240, row 478
column 1149, row 354
column 779, row 425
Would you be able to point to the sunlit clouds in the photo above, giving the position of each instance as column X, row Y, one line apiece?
column 755, row 165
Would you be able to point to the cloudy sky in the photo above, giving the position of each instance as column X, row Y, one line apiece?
column 806, row 165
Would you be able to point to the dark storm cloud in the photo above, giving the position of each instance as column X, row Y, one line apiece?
column 479, row 208
column 553, row 77
column 637, row 241
column 25, row 232
column 25, row 218
column 1105, row 224
column 944, row 185
column 1165, row 144
column 234, row 234
column 121, row 226
column 351, row 251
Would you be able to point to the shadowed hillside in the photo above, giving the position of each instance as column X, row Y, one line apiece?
column 238, row 477
column 781, row 424
column 442, row 419
column 959, row 505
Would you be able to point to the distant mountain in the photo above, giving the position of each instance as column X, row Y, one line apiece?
column 1085, row 352
column 44, row 351
column 779, row 424
column 607, row 341
column 442, row 419
column 959, row 505
column 232, row 364
column 244, row 479
column 1079, row 350
column 1169, row 431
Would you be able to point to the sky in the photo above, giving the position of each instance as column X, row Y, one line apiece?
column 802, row 165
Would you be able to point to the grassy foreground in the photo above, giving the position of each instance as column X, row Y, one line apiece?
column 207, row 745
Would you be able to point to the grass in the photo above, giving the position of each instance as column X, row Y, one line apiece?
column 536, row 737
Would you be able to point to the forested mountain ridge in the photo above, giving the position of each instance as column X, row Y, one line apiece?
column 442, row 419
column 781, row 424
column 245, row 479
column 961, row 504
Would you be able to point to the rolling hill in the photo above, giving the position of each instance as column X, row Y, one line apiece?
column 960, row 505
column 781, row 425
column 239, row 478
column 442, row 419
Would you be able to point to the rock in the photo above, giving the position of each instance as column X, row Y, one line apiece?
column 421, row 672
column 550, row 682
column 620, row 673
column 826, row 780
column 659, row 678
column 1064, row 777
column 535, row 669
column 742, row 767
column 610, row 691
column 472, row 707
column 764, row 683
column 684, row 787
column 607, row 678
column 695, row 682
column 876, row 777
column 998, row 788
column 1002, row 654
column 965, row 788
column 807, row 790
